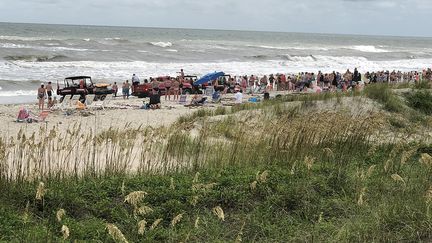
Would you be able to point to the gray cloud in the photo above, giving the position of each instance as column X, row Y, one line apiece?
column 388, row 17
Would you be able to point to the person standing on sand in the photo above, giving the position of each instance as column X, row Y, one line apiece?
column 176, row 88
column 168, row 90
column 271, row 81
column 125, row 89
column 155, row 85
column 41, row 96
column 135, row 79
column 182, row 75
column 115, row 89
column 49, row 90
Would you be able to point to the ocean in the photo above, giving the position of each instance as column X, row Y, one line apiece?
column 35, row 53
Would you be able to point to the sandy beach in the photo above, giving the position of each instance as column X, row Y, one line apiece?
column 119, row 113
column 128, row 116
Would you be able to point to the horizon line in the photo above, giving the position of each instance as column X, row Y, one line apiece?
column 219, row 29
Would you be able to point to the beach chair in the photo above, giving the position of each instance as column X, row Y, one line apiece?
column 64, row 104
column 209, row 91
column 89, row 99
column 42, row 116
column 183, row 99
column 73, row 101
column 99, row 104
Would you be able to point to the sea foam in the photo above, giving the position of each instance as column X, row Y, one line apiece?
column 162, row 44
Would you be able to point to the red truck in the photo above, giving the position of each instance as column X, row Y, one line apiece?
column 142, row 90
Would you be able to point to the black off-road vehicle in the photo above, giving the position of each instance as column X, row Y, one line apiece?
column 82, row 86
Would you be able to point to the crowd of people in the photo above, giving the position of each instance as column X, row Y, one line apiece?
column 322, row 81
column 238, row 85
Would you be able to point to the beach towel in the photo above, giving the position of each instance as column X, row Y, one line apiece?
column 254, row 100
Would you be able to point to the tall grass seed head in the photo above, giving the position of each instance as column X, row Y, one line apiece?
column 141, row 227
column 218, row 211
column 176, row 220
column 65, row 232
column 59, row 215
column 115, row 233
column 40, row 191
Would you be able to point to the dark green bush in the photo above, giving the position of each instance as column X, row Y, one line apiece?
column 423, row 85
column 420, row 100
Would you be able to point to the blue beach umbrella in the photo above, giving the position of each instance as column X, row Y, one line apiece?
column 209, row 77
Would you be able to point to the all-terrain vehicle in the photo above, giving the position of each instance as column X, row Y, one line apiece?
column 82, row 86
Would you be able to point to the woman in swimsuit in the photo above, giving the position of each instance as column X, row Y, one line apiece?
column 175, row 87
column 41, row 96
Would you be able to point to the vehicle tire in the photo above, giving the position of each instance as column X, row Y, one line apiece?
column 187, row 92
column 102, row 97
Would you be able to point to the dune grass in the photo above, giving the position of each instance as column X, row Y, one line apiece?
column 267, row 172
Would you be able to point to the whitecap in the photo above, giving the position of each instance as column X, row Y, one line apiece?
column 162, row 44
column 368, row 48
column 22, row 38
column 17, row 93
column 62, row 48
column 14, row 46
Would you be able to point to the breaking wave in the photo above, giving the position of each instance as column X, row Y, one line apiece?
column 17, row 93
column 35, row 58
column 161, row 44
column 22, row 38
column 364, row 48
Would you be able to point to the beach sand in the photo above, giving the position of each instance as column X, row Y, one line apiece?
column 126, row 115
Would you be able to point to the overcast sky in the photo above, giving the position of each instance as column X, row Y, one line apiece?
column 376, row 17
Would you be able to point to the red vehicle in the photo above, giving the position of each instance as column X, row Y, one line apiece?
column 143, row 90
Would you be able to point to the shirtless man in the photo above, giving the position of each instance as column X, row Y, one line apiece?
column 49, row 89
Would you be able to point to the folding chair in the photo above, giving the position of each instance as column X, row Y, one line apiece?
column 73, row 100
column 65, row 103
column 183, row 99
column 209, row 91
column 98, row 104
column 89, row 99
column 42, row 116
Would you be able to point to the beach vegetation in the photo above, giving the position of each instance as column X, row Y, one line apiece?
column 420, row 100
column 276, row 171
column 384, row 95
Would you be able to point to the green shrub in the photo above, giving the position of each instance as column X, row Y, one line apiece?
column 423, row 85
column 383, row 94
column 420, row 100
